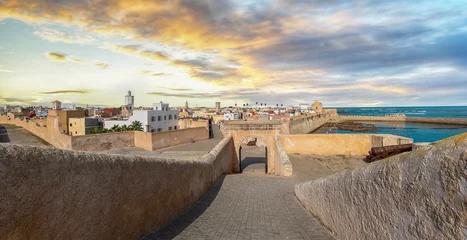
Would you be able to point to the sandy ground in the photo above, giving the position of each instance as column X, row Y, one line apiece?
column 309, row 167
column 19, row 135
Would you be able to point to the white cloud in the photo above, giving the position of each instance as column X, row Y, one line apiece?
column 5, row 70
column 53, row 35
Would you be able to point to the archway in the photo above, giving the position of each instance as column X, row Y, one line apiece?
column 253, row 154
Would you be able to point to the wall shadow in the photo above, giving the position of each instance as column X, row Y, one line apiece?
column 4, row 138
column 187, row 217
column 252, row 160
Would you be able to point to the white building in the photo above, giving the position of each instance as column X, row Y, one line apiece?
column 129, row 100
column 160, row 119
column 232, row 116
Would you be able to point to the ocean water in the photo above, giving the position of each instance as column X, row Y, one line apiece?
column 420, row 132
column 429, row 112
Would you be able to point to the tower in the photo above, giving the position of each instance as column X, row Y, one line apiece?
column 129, row 100
column 186, row 105
column 218, row 106
column 56, row 105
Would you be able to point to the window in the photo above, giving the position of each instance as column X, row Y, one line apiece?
column 175, row 116
column 157, row 108
column 159, row 129
column 175, row 127
column 159, row 118
column 165, row 117
column 170, row 128
column 71, row 124
column 153, row 119
column 170, row 117
column 153, row 130
column 76, row 132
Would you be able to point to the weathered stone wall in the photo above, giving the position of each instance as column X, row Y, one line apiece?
column 177, row 137
column 346, row 144
column 415, row 195
column 103, row 141
column 309, row 123
column 106, row 141
column 60, row 194
column 456, row 121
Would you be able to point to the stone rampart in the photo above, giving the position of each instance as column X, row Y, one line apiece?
column 105, row 141
column 332, row 144
column 456, row 121
column 309, row 123
column 415, row 195
column 49, row 193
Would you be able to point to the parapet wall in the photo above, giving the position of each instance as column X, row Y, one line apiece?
column 456, row 121
column 49, row 193
column 177, row 137
column 338, row 144
column 309, row 123
column 416, row 195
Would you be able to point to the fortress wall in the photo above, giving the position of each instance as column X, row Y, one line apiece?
column 48, row 132
column 456, row 121
column 103, row 141
column 332, row 144
column 309, row 123
column 177, row 137
column 415, row 195
column 49, row 193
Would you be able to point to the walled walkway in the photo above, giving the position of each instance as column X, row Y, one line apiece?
column 246, row 206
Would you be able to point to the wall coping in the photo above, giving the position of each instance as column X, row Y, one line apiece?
column 286, row 165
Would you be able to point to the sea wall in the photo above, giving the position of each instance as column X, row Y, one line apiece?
column 309, row 123
column 415, row 195
column 341, row 144
column 455, row 121
column 49, row 193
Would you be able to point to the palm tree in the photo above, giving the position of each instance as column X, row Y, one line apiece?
column 136, row 126
column 115, row 128
column 124, row 128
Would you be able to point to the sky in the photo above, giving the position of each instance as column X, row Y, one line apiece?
column 342, row 53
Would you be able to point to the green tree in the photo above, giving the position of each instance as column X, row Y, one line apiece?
column 116, row 128
column 124, row 128
column 136, row 126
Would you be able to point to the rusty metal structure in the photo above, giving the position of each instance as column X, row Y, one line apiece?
column 378, row 153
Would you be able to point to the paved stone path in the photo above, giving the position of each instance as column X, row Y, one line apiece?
column 246, row 206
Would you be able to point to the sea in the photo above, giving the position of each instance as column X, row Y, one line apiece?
column 420, row 132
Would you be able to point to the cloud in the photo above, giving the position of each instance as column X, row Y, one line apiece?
column 102, row 65
column 53, row 35
column 5, row 70
column 81, row 91
column 60, row 57
column 154, row 74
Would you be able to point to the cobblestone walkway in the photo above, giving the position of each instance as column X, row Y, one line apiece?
column 246, row 206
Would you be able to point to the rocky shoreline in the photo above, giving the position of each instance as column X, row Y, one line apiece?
column 353, row 126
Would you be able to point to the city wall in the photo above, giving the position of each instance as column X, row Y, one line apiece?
column 105, row 141
column 456, row 121
column 48, row 193
column 192, row 123
column 415, row 195
column 309, row 123
column 340, row 144
column 154, row 141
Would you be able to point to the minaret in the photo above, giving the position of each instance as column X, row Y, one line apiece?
column 129, row 100
column 186, row 105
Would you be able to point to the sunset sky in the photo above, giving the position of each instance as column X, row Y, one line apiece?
column 343, row 53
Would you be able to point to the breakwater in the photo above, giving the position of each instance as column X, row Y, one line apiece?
column 402, row 118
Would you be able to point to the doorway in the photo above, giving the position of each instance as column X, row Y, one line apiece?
column 253, row 159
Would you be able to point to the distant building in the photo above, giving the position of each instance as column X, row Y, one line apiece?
column 63, row 118
column 56, row 105
column 232, row 116
column 186, row 105
column 317, row 106
column 127, row 109
column 161, row 118
column 109, row 112
column 82, row 126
